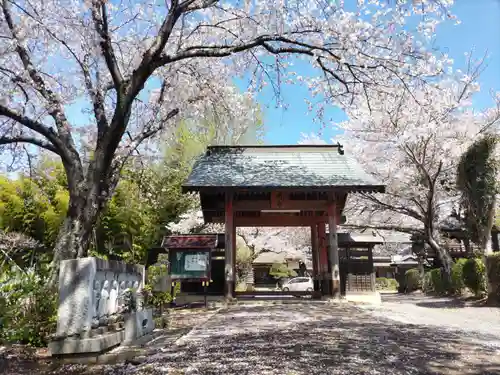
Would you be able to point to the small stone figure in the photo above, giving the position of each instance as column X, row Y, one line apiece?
column 113, row 298
column 138, row 296
column 96, row 297
column 121, row 300
column 103, row 303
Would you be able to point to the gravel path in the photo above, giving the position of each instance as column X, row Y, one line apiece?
column 447, row 313
column 314, row 338
column 405, row 335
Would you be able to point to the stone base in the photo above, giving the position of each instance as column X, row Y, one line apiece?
column 137, row 324
column 93, row 345
column 364, row 297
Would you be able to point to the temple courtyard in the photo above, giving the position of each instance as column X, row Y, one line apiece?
column 403, row 335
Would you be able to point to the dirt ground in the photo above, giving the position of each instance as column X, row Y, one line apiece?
column 405, row 335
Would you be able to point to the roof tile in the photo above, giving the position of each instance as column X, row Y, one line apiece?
column 292, row 166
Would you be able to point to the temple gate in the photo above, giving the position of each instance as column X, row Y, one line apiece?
column 277, row 186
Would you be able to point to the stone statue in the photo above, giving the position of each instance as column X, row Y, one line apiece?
column 113, row 298
column 138, row 296
column 96, row 297
column 102, row 312
column 121, row 294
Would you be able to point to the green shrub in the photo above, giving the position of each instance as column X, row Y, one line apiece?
column 474, row 276
column 412, row 279
column 159, row 299
column 427, row 286
column 280, row 271
column 439, row 283
column 382, row 283
column 493, row 263
column 28, row 309
column 457, row 277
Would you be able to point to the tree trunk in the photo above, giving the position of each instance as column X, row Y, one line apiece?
column 75, row 234
column 421, row 269
column 444, row 257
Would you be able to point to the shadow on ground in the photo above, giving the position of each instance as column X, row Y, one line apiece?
column 437, row 302
column 322, row 339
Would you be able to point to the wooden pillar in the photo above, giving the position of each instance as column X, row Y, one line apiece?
column 315, row 256
column 333, row 248
column 233, row 235
column 228, row 254
column 495, row 241
column 349, row 271
column 372, row 268
column 323, row 260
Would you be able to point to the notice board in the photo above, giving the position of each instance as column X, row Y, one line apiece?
column 190, row 264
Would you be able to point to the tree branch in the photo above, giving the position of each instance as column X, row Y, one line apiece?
column 100, row 18
column 397, row 228
column 31, row 140
column 41, row 129
column 55, row 108
column 399, row 209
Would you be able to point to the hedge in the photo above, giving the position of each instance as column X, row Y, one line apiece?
column 383, row 283
column 435, row 283
column 474, row 275
column 493, row 262
column 427, row 286
column 457, row 277
column 412, row 278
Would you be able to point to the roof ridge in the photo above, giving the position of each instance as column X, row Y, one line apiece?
column 339, row 147
column 276, row 146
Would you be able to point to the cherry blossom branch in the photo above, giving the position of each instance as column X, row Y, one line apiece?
column 30, row 140
column 100, row 18
column 137, row 141
column 55, row 107
column 400, row 209
column 397, row 228
column 36, row 126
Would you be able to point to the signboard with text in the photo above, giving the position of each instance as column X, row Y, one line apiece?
column 190, row 264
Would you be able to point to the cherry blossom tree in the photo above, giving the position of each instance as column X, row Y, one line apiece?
column 412, row 141
column 250, row 242
column 134, row 67
column 257, row 240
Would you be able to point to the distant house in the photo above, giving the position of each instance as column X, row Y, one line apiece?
column 264, row 261
column 390, row 243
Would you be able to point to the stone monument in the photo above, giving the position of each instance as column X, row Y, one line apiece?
column 91, row 305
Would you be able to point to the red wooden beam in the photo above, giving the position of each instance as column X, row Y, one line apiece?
column 278, row 203
column 275, row 221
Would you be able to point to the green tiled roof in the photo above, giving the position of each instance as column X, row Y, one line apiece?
column 316, row 166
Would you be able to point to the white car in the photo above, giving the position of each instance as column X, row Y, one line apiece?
column 298, row 284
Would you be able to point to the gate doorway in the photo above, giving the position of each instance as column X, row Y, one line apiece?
column 278, row 186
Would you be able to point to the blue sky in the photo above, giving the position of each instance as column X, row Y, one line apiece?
column 479, row 30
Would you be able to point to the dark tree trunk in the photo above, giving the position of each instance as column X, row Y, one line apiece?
column 87, row 200
column 442, row 253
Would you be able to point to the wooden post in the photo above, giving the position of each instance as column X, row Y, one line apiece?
column 315, row 257
column 348, row 281
column 495, row 241
column 229, row 261
column 235, row 278
column 333, row 249
column 372, row 268
column 323, row 259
